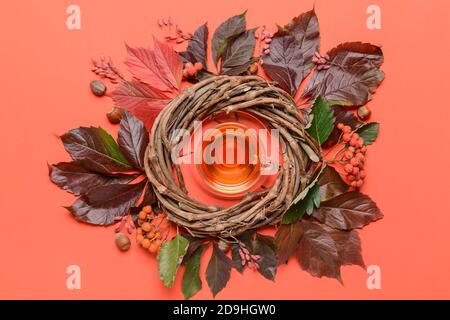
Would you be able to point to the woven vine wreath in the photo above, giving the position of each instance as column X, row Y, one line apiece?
column 313, row 209
column 228, row 94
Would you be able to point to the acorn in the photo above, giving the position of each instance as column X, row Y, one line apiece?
column 123, row 241
column 364, row 113
column 115, row 115
column 98, row 88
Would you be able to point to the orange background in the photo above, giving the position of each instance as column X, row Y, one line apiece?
column 45, row 72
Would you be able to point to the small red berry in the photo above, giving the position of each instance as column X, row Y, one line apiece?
column 351, row 177
column 359, row 156
column 346, row 137
column 340, row 126
column 346, row 129
column 355, row 136
column 185, row 73
column 363, row 149
column 353, row 184
column 352, row 149
column 191, row 70
column 354, row 162
column 198, row 66
column 355, row 170
column 348, row 154
column 348, row 168
column 362, row 174
column 359, row 183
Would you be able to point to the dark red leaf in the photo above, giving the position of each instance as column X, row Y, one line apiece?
column 226, row 32
column 291, row 52
column 238, row 54
column 96, row 145
column 342, row 116
column 197, row 47
column 75, row 178
column 133, row 140
column 353, row 75
column 348, row 246
column 141, row 100
column 317, row 252
column 264, row 246
column 194, row 244
column 236, row 258
column 348, row 211
column 103, row 204
column 287, row 239
column 331, row 184
column 218, row 271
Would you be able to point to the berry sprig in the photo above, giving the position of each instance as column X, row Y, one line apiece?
column 173, row 30
column 148, row 232
column 265, row 38
column 124, row 222
column 353, row 158
column 321, row 61
column 190, row 70
column 251, row 260
column 105, row 68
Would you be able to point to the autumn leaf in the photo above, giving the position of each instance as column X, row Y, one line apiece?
column 161, row 68
column 307, row 205
column 322, row 123
column 194, row 244
column 265, row 247
column 96, row 145
column 192, row 283
column 331, row 184
column 76, row 177
column 291, row 51
column 133, row 140
column 101, row 205
column 218, row 271
column 348, row 211
column 197, row 47
column 141, row 100
column 353, row 75
column 369, row 132
column 317, row 252
column 238, row 53
column 226, row 32
column 287, row 239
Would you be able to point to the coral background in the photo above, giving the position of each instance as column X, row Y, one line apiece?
column 45, row 74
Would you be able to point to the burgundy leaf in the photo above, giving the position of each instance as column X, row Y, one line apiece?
column 75, row 178
column 96, row 145
column 291, row 51
column 194, row 244
column 197, row 46
column 331, row 184
column 103, row 204
column 342, row 116
column 236, row 258
column 226, row 32
column 353, row 75
column 348, row 211
column 317, row 252
column 348, row 246
column 218, row 271
column 133, row 140
column 238, row 53
column 286, row 239
column 141, row 100
column 264, row 246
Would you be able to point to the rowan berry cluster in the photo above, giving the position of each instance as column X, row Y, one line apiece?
column 175, row 33
column 353, row 158
column 190, row 70
column 148, row 235
column 251, row 260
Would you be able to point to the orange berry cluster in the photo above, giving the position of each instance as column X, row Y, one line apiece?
column 148, row 235
column 190, row 70
column 354, row 156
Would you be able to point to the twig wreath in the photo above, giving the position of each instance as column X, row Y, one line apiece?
column 313, row 208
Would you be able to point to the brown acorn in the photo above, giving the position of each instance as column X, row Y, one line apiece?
column 115, row 115
column 123, row 241
column 98, row 88
column 364, row 113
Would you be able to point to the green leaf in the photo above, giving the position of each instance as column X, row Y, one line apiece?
column 169, row 259
column 191, row 278
column 226, row 32
column 296, row 212
column 218, row 271
column 322, row 123
column 369, row 132
column 303, row 194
